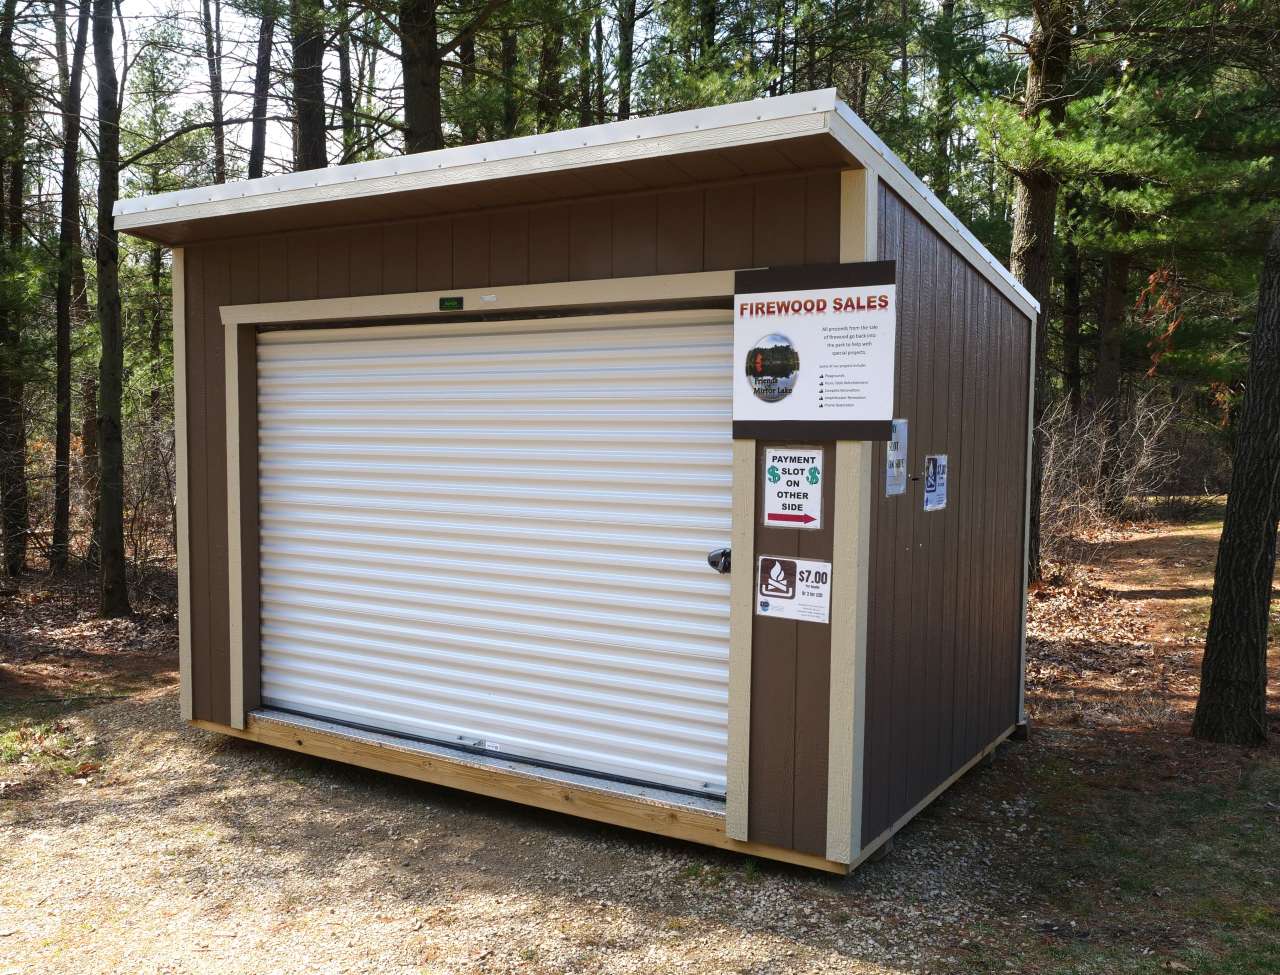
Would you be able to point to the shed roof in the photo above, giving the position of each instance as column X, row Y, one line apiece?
column 790, row 133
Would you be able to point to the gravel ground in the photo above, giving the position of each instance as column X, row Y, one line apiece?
column 189, row 852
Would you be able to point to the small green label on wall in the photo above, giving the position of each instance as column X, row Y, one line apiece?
column 451, row 304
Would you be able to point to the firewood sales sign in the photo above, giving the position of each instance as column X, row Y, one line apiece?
column 814, row 351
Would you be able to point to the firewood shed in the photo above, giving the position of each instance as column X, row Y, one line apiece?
column 671, row 473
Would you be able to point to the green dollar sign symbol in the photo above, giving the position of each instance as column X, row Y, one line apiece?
column 813, row 475
column 774, row 476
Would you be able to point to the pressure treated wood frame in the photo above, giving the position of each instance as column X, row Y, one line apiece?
column 600, row 805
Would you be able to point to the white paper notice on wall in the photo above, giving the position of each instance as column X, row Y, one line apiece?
column 793, row 589
column 895, row 461
column 813, row 352
column 792, row 487
column 935, row 482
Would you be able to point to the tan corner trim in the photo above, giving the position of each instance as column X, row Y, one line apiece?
column 1026, row 526
column 859, row 209
column 865, row 146
column 535, row 788
column 235, row 572
column 859, row 215
column 183, row 528
column 426, row 304
column 849, row 574
column 920, row 806
column 742, row 583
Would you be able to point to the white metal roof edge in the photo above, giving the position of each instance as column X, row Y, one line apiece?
column 870, row 150
column 762, row 120
column 721, row 126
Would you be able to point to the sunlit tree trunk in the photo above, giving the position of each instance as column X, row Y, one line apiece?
column 1035, row 205
column 1233, row 680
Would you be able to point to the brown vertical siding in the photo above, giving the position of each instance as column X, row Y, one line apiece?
column 674, row 231
column 945, row 587
column 791, row 696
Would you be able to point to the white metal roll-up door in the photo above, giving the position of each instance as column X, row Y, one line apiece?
column 495, row 535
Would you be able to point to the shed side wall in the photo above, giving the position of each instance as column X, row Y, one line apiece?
column 943, row 653
column 771, row 221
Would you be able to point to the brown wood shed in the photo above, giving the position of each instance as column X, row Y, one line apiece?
column 460, row 449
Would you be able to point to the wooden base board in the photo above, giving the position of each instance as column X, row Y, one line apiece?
column 600, row 805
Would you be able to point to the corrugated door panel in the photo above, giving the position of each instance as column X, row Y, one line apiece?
column 495, row 535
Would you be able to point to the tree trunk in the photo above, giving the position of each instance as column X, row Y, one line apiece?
column 944, row 115
column 211, row 22
column 114, row 593
column 1035, row 205
column 90, row 461
column 707, row 21
column 510, row 111
column 626, row 54
column 599, row 69
column 14, row 524
column 1115, row 302
column 261, row 88
column 1232, row 707
column 423, row 118
column 550, row 80
column 71, row 71
column 345, row 91
column 308, row 84
column 1071, row 311
column 467, row 124
column 584, row 74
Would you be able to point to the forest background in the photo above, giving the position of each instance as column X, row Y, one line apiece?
column 1120, row 154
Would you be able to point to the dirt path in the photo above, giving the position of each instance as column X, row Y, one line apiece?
column 1108, row 843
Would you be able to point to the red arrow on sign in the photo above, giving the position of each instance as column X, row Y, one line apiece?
column 803, row 519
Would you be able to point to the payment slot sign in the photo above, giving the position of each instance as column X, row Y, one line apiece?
column 792, row 487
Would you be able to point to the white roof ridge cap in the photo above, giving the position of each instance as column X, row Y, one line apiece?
column 563, row 140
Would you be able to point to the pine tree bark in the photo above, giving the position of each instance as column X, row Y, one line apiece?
column 211, row 22
column 626, row 54
column 71, row 72
column 1232, row 707
column 422, row 55
column 113, row 593
column 550, row 78
column 14, row 513
column 1035, row 205
column 584, row 67
column 598, row 70
column 507, row 64
column 346, row 92
column 261, row 90
column 1115, row 302
column 944, row 116
column 1071, row 314
column 307, row 35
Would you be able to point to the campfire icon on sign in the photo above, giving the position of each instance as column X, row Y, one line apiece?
column 778, row 578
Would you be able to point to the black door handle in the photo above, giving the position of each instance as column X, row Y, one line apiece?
column 719, row 559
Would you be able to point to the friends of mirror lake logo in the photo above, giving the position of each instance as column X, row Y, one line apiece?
column 772, row 366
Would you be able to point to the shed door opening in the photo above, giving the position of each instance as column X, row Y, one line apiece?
column 494, row 535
